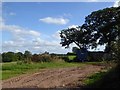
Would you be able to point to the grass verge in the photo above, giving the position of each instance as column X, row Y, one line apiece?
column 108, row 79
column 94, row 78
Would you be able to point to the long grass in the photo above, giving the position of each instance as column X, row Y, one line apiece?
column 109, row 78
column 93, row 78
column 13, row 69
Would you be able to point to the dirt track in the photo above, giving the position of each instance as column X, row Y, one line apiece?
column 51, row 78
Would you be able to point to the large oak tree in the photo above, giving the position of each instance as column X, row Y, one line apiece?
column 100, row 27
column 104, row 26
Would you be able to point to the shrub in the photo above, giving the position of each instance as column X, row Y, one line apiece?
column 45, row 58
column 66, row 59
column 35, row 58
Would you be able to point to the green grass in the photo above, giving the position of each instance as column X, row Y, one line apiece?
column 71, row 57
column 108, row 78
column 93, row 78
column 13, row 69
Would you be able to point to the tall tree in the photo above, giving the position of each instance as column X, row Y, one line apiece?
column 104, row 26
column 100, row 27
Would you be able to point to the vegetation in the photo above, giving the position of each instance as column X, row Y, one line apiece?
column 12, row 69
column 8, row 57
column 73, row 35
column 109, row 79
column 104, row 27
column 71, row 57
column 101, row 27
column 27, row 57
column 93, row 78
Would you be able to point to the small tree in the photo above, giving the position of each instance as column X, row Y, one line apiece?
column 20, row 56
column 27, row 56
column 35, row 58
column 8, row 57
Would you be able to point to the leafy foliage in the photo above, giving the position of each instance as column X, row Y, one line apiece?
column 8, row 57
column 74, row 35
column 104, row 26
column 101, row 27
column 105, row 29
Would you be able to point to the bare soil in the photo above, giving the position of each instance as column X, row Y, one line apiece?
column 53, row 78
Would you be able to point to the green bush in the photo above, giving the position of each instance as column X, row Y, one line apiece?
column 46, row 58
column 66, row 59
column 70, row 58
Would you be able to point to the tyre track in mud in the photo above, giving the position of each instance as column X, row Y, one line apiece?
column 51, row 78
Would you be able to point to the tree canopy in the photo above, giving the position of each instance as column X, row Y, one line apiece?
column 100, row 27
column 104, row 25
column 74, row 35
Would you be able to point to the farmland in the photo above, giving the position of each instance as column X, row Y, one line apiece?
column 13, row 69
column 48, row 72
column 33, row 56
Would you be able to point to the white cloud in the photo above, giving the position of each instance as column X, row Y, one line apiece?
column 34, row 33
column 117, row 3
column 50, row 46
column 1, row 23
column 46, row 43
column 51, row 20
column 24, row 39
column 36, row 45
column 19, row 31
column 73, row 26
column 17, row 51
column 20, row 38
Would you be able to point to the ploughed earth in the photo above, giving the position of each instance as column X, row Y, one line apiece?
column 53, row 78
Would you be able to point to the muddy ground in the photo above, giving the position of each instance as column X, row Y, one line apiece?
column 53, row 78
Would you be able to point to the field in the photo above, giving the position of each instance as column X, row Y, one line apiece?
column 52, row 74
column 47, row 75
column 13, row 69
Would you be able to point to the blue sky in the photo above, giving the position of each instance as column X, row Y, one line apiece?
column 35, row 26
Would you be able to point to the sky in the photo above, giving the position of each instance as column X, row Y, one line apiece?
column 35, row 26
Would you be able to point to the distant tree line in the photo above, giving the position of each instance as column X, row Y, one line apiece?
column 27, row 57
column 19, row 56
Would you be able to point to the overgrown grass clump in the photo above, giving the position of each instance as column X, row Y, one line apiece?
column 94, row 78
column 108, row 79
